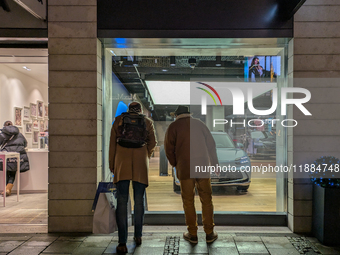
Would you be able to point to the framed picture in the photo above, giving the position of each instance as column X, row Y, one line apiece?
column 46, row 111
column 42, row 126
column 35, row 124
column 27, row 113
column 28, row 128
column 40, row 109
column 35, row 139
column 33, row 110
column 17, row 116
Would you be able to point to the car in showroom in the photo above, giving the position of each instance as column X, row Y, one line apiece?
column 264, row 144
column 230, row 157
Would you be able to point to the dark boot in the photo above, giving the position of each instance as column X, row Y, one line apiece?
column 121, row 248
column 138, row 240
column 190, row 238
column 211, row 237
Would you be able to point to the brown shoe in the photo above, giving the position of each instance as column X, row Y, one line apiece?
column 190, row 238
column 8, row 193
column 138, row 240
column 9, row 188
column 211, row 237
column 121, row 248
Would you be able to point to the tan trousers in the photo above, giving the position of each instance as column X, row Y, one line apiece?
column 188, row 197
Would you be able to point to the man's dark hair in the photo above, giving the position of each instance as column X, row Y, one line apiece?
column 8, row 123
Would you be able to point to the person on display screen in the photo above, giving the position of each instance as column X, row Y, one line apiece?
column 256, row 71
column 11, row 140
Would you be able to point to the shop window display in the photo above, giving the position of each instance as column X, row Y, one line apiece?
column 161, row 79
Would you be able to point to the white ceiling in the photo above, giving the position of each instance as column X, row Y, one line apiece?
column 38, row 71
column 34, row 59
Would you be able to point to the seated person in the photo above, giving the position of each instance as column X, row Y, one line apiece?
column 11, row 140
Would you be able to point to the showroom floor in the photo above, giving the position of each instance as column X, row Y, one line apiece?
column 261, row 195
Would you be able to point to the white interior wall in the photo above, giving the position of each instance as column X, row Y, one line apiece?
column 19, row 90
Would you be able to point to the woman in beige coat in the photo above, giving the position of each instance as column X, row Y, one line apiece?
column 130, row 164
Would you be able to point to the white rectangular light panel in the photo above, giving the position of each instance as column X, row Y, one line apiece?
column 178, row 92
column 169, row 92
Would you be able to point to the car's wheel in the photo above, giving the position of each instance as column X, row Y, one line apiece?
column 177, row 188
column 243, row 188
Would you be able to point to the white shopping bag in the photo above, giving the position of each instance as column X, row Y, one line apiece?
column 104, row 218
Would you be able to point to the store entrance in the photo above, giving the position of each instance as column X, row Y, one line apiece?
column 164, row 73
column 24, row 102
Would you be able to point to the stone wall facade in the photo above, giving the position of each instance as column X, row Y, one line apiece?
column 75, row 114
column 314, row 53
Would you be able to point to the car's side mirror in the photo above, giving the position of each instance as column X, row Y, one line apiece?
column 239, row 145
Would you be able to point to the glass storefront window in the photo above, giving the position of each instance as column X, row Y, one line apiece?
column 24, row 102
column 164, row 73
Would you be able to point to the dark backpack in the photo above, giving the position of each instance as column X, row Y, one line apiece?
column 132, row 132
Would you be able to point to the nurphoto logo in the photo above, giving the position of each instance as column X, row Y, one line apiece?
column 239, row 99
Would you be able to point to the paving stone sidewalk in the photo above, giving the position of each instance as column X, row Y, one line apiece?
column 159, row 243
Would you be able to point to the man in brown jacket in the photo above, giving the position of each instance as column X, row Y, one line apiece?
column 184, row 154
column 130, row 164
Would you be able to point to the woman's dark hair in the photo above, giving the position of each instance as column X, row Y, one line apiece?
column 253, row 61
column 8, row 123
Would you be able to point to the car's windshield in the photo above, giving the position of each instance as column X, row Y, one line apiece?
column 223, row 141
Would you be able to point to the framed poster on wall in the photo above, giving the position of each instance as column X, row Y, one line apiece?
column 26, row 114
column 28, row 128
column 40, row 109
column 35, row 137
column 46, row 111
column 42, row 126
column 17, row 116
column 35, row 124
column 33, row 110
